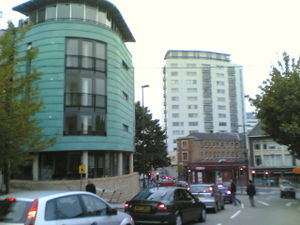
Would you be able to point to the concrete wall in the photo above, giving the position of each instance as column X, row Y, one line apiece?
column 114, row 189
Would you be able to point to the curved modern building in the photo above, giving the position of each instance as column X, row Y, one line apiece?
column 87, row 87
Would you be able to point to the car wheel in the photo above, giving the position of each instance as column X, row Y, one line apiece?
column 178, row 220
column 216, row 208
column 223, row 206
column 202, row 217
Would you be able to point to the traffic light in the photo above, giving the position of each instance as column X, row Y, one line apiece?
column 241, row 171
column 266, row 173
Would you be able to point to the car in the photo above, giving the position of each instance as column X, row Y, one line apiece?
column 182, row 183
column 226, row 194
column 50, row 207
column 210, row 195
column 287, row 190
column 166, row 182
column 165, row 205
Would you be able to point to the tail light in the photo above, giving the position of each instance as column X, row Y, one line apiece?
column 162, row 207
column 31, row 215
column 10, row 199
column 127, row 205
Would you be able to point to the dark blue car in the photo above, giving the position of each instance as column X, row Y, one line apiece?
column 226, row 194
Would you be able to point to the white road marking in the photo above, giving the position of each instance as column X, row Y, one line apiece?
column 289, row 204
column 234, row 215
column 263, row 203
column 242, row 205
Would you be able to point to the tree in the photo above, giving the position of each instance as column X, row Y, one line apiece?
column 278, row 105
column 20, row 133
column 150, row 142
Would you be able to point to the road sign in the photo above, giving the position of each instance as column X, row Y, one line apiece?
column 296, row 170
column 81, row 169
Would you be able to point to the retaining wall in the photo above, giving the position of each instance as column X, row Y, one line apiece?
column 114, row 189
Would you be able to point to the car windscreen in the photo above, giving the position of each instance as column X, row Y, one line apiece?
column 199, row 189
column 14, row 211
column 153, row 194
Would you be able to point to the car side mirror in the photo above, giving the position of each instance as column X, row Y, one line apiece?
column 111, row 211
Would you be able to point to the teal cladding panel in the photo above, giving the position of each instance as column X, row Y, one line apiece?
column 50, row 37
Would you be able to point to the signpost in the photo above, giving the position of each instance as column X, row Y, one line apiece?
column 81, row 171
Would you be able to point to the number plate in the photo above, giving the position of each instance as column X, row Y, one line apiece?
column 142, row 208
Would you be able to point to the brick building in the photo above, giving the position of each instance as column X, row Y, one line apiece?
column 212, row 158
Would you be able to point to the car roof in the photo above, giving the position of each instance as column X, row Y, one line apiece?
column 194, row 185
column 31, row 195
column 166, row 188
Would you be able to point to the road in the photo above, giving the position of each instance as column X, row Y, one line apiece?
column 270, row 210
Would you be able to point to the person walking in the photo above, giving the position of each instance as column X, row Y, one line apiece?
column 90, row 187
column 251, row 191
column 233, row 193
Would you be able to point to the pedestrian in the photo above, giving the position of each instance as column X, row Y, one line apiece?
column 233, row 193
column 90, row 187
column 251, row 191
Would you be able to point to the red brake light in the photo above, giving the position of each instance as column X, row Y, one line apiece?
column 10, row 199
column 31, row 215
column 162, row 207
column 127, row 205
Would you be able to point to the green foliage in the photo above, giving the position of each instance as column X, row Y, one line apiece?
column 278, row 105
column 20, row 133
column 150, row 142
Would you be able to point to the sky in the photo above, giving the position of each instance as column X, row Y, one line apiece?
column 254, row 32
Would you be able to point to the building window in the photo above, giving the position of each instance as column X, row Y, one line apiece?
column 191, row 81
column 184, row 144
column 85, row 87
column 175, row 106
column 192, row 106
column 192, row 98
column 221, row 91
column 256, row 146
column 220, row 83
column 221, row 99
column 185, row 156
column 258, row 160
column 193, row 124
column 191, row 90
column 175, row 115
column 174, row 73
column 177, row 124
column 174, row 82
column 222, row 115
column 175, row 98
column 193, row 115
column 174, row 90
column 222, row 124
column 191, row 74
column 221, row 107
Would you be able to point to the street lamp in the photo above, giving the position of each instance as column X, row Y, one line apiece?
column 143, row 127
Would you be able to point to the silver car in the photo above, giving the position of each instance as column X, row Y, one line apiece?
column 59, row 208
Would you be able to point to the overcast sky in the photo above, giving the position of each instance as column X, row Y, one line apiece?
column 254, row 32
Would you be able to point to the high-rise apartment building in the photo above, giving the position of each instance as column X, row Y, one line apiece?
column 203, row 92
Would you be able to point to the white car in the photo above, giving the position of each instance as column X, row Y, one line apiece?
column 59, row 208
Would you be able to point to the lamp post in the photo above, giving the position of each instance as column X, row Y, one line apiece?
column 143, row 138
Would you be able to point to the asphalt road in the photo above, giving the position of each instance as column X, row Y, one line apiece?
column 270, row 210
